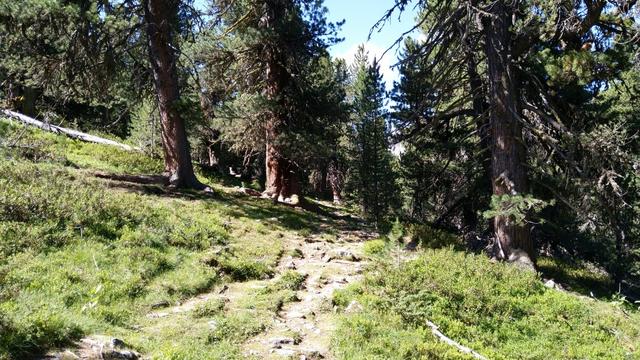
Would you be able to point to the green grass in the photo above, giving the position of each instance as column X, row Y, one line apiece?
column 81, row 256
column 32, row 144
column 496, row 309
column 78, row 257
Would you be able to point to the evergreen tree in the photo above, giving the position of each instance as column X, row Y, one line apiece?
column 371, row 175
column 285, row 94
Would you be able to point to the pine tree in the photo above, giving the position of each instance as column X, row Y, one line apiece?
column 371, row 175
column 542, row 64
column 280, row 105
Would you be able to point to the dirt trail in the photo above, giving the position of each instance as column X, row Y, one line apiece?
column 302, row 329
column 299, row 330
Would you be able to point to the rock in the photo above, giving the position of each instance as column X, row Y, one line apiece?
column 115, row 342
column 290, row 265
column 343, row 254
column 277, row 342
column 160, row 304
column 295, row 315
column 521, row 260
column 311, row 355
column 353, row 307
column 102, row 347
column 285, row 352
column 553, row 285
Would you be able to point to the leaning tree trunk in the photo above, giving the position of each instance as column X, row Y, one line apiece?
column 177, row 158
column 282, row 182
column 508, row 173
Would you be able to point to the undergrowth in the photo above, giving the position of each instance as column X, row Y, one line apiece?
column 77, row 259
column 496, row 309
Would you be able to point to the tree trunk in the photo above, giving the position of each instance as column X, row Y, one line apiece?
column 335, row 178
column 158, row 15
column 281, row 176
column 508, row 173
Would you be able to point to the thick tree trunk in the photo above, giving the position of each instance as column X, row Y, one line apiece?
column 281, row 176
column 177, row 158
column 507, row 149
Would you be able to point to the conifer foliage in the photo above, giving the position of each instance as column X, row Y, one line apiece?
column 371, row 175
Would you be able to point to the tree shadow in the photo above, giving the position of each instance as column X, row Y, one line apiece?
column 577, row 278
column 310, row 216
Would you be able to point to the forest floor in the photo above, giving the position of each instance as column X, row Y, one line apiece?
column 97, row 260
column 298, row 324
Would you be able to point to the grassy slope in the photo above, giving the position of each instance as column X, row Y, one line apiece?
column 496, row 309
column 79, row 255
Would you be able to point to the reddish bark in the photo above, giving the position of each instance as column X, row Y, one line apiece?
column 177, row 157
column 281, row 176
column 507, row 150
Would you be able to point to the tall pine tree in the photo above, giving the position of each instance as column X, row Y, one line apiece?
column 371, row 174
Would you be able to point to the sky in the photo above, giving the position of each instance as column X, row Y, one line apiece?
column 360, row 16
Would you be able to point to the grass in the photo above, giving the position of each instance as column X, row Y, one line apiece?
column 496, row 309
column 81, row 256
column 78, row 257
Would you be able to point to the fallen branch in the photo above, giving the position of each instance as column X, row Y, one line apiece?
column 451, row 342
column 74, row 134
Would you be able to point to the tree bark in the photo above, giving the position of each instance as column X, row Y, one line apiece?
column 508, row 154
column 177, row 157
column 335, row 178
column 282, row 182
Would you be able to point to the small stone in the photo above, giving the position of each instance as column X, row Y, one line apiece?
column 553, row 285
column 311, row 355
column 159, row 304
column 277, row 342
column 117, row 343
column 290, row 266
column 353, row 307
column 295, row 315
column 285, row 352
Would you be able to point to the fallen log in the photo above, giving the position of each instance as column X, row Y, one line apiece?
column 442, row 337
column 74, row 134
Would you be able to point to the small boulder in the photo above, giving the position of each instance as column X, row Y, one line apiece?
column 353, row 307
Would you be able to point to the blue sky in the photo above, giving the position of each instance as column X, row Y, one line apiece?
column 360, row 16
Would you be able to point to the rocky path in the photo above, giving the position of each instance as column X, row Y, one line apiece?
column 303, row 329
column 300, row 329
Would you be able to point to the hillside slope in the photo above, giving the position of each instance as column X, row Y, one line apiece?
column 93, row 265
